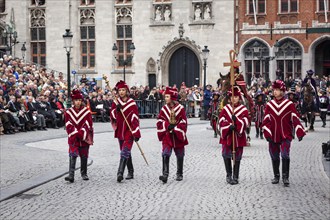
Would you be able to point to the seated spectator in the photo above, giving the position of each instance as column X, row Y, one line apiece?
column 44, row 108
column 39, row 119
column 7, row 119
column 14, row 108
column 58, row 113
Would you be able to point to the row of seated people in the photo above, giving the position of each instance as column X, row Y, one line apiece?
column 100, row 107
column 21, row 115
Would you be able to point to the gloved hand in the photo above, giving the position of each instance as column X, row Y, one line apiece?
column 233, row 117
column 269, row 140
column 136, row 139
column 232, row 127
column 118, row 107
column 170, row 127
column 300, row 138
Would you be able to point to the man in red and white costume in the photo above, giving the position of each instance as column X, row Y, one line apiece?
column 126, row 106
column 281, row 117
column 79, row 126
column 233, row 121
column 172, row 133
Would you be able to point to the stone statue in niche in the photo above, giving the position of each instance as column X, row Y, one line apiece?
column 207, row 12
column 167, row 14
column 158, row 14
column 198, row 13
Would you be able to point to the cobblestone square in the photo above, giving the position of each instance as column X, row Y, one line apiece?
column 203, row 194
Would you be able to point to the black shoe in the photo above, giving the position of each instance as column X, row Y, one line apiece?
column 261, row 136
column 285, row 171
column 166, row 166
column 236, row 172
column 39, row 128
column 276, row 171
column 229, row 169
column 130, row 169
column 83, row 168
column 179, row 173
column 72, row 167
column 56, row 127
column 121, row 169
column 215, row 135
column 44, row 128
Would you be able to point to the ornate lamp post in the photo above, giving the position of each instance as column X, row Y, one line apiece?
column 68, row 45
column 23, row 49
column 126, row 61
column 9, row 36
column 205, row 54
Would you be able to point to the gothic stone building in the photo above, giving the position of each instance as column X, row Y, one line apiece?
column 169, row 36
column 301, row 29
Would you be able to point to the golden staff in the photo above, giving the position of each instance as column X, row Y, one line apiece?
column 129, row 127
column 232, row 65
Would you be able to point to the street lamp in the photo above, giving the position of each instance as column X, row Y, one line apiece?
column 23, row 49
column 126, row 61
column 67, row 37
column 9, row 36
column 258, row 50
column 205, row 54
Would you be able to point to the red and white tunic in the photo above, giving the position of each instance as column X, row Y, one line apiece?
column 280, row 118
column 242, row 122
column 178, row 138
column 78, row 123
column 130, row 110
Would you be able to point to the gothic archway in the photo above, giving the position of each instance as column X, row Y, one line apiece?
column 320, row 55
column 170, row 49
column 183, row 67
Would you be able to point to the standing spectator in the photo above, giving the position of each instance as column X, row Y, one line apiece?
column 206, row 100
column 197, row 102
column 84, row 80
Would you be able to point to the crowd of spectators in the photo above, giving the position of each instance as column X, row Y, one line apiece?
column 33, row 97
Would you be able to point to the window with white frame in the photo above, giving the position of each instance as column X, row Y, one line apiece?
column 124, row 35
column 256, row 64
column 259, row 4
column 38, row 36
column 87, row 38
column 289, row 58
column 322, row 5
column 288, row 6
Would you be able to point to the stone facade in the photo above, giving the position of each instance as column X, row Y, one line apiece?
column 155, row 33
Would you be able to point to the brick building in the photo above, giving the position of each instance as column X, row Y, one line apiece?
column 292, row 36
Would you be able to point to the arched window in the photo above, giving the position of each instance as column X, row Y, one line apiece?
column 289, row 58
column 256, row 64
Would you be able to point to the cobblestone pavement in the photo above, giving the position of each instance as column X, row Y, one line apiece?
column 203, row 194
